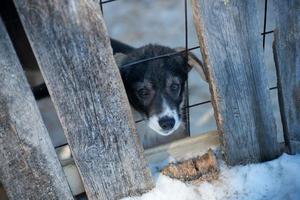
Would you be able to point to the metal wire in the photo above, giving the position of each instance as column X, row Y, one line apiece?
column 187, row 107
column 101, row 6
column 265, row 23
column 200, row 103
column 159, row 57
column 268, row 32
column 187, row 98
column 185, row 51
column 107, row 1
column 273, row 88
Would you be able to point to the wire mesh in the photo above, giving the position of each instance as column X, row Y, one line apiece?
column 187, row 106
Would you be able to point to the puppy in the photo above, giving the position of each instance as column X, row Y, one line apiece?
column 155, row 88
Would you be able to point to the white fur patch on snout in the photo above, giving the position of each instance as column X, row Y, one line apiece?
column 166, row 112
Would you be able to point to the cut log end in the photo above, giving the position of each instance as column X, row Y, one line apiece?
column 195, row 170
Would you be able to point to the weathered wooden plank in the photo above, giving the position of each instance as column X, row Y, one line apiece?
column 287, row 60
column 70, row 42
column 179, row 150
column 229, row 37
column 29, row 168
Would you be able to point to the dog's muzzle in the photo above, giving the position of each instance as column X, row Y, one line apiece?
column 166, row 122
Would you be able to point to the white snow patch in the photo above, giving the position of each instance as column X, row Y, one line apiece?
column 275, row 180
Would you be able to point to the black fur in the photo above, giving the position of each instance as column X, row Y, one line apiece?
column 155, row 88
column 155, row 76
column 160, row 79
column 120, row 47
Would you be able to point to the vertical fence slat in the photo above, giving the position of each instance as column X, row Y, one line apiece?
column 71, row 44
column 29, row 167
column 229, row 37
column 287, row 60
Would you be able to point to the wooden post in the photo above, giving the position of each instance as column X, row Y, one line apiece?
column 29, row 168
column 72, row 47
column 228, row 32
column 287, row 60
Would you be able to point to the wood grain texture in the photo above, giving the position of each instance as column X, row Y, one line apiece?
column 228, row 33
column 72, row 47
column 287, row 61
column 179, row 150
column 29, row 167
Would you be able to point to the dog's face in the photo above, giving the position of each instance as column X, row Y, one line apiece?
column 155, row 88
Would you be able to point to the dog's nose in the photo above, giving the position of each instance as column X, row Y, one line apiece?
column 166, row 123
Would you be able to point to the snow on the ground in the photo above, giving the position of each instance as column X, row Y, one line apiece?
column 275, row 180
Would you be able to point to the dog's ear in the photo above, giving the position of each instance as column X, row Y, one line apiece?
column 194, row 62
column 120, row 58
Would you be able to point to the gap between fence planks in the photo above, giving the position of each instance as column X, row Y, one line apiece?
column 71, row 44
column 29, row 167
column 286, row 50
column 229, row 37
column 177, row 150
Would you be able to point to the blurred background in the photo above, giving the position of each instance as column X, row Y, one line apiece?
column 139, row 22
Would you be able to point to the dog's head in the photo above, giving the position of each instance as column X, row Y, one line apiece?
column 155, row 88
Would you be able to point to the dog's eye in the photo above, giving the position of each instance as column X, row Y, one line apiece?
column 143, row 92
column 174, row 87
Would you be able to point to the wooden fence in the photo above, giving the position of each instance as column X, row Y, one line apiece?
column 71, row 45
column 287, row 60
column 229, row 38
column 28, row 160
column 72, row 48
column 228, row 35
